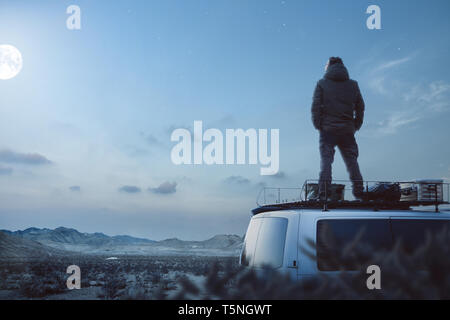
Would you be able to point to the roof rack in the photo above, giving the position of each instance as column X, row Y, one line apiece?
column 413, row 194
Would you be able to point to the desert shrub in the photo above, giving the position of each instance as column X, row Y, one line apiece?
column 33, row 286
column 137, row 292
column 113, row 287
column 164, row 270
column 422, row 274
column 16, row 268
column 156, row 277
column 201, row 271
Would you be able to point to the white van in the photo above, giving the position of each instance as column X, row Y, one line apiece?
column 276, row 238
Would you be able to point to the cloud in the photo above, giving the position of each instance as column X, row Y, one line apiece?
column 378, row 76
column 4, row 171
column 134, row 151
column 151, row 140
column 173, row 127
column 75, row 188
column 280, row 175
column 435, row 96
column 239, row 180
column 129, row 189
column 226, row 121
column 165, row 188
column 261, row 185
column 422, row 101
column 395, row 122
column 393, row 63
column 377, row 83
column 413, row 101
column 10, row 156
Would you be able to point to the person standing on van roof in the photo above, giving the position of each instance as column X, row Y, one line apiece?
column 338, row 112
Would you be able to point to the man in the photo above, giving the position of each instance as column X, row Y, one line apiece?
column 338, row 112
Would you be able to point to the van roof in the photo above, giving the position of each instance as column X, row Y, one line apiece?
column 358, row 213
column 349, row 205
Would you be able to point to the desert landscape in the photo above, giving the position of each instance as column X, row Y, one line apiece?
column 33, row 264
column 32, row 270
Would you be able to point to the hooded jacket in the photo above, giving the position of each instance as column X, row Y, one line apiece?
column 337, row 103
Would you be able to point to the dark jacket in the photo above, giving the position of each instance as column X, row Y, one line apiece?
column 337, row 103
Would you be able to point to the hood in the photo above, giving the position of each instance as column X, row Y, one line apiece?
column 337, row 72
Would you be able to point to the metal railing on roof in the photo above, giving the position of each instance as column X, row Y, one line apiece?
column 413, row 193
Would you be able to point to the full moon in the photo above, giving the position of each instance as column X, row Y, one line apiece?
column 10, row 61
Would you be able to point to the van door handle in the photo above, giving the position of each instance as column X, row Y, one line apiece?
column 293, row 264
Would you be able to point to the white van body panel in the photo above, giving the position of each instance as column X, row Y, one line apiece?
column 290, row 256
column 302, row 228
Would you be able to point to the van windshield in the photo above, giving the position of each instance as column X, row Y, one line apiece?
column 264, row 243
column 336, row 236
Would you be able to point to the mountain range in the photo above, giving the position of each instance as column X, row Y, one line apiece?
column 66, row 239
column 72, row 236
column 19, row 248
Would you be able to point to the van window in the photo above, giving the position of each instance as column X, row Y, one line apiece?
column 413, row 232
column 264, row 243
column 270, row 246
column 251, row 236
column 334, row 236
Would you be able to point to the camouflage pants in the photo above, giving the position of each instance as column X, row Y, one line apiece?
column 349, row 150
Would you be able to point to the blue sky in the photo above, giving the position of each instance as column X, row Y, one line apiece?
column 100, row 104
